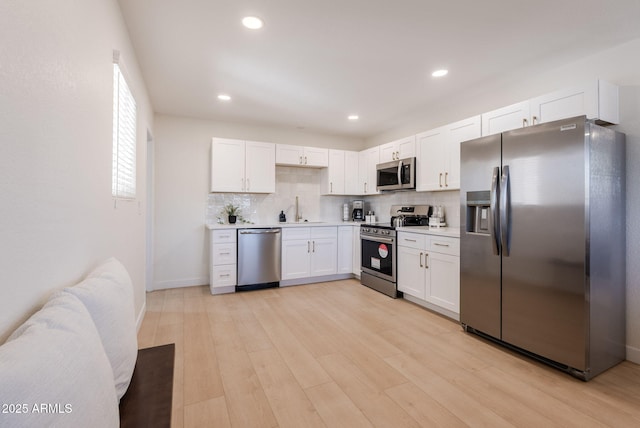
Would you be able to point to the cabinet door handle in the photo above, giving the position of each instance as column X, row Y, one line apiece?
column 365, row 187
column 313, row 246
column 534, row 120
column 446, row 179
column 308, row 247
column 525, row 122
column 305, row 160
column 300, row 162
column 426, row 260
column 421, row 264
column 331, row 185
column 440, row 180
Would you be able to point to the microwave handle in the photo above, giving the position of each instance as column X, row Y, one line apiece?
column 400, row 172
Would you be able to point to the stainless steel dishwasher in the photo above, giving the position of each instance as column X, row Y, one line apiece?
column 258, row 258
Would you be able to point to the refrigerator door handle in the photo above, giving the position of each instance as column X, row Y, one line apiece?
column 494, row 225
column 505, row 211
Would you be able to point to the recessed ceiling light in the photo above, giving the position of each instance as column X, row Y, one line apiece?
column 440, row 73
column 353, row 117
column 252, row 22
column 224, row 97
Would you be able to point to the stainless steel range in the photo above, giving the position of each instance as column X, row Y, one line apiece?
column 379, row 247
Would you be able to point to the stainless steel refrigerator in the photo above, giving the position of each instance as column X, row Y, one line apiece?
column 542, row 258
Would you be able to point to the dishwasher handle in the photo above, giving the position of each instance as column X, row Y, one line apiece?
column 258, row 231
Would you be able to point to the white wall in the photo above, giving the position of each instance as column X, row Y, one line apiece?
column 183, row 204
column 619, row 65
column 57, row 215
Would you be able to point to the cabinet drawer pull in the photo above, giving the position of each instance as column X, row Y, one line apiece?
column 440, row 245
column 410, row 240
column 225, row 274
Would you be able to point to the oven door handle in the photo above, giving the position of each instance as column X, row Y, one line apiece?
column 377, row 239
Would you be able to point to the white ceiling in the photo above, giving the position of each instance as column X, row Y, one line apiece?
column 317, row 61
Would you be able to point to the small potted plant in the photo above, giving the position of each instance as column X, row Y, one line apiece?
column 232, row 212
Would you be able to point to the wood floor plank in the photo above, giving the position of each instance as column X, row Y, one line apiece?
column 377, row 406
column 455, row 399
column 335, row 408
column 424, row 409
column 209, row 413
column 340, row 354
column 290, row 404
column 300, row 361
column 201, row 373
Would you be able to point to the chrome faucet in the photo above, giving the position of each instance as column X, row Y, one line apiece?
column 298, row 216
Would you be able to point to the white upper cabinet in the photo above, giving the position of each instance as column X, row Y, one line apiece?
column 430, row 159
column 506, row 118
column 260, row 167
column 597, row 100
column 351, row 167
column 458, row 132
column 302, row 156
column 438, row 154
column 341, row 177
column 367, row 161
column 227, row 165
column 242, row 166
column 333, row 178
column 399, row 149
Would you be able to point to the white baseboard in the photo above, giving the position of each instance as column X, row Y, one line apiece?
column 442, row 311
column 633, row 354
column 140, row 317
column 180, row 283
column 314, row 279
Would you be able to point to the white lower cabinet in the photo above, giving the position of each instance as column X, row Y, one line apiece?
column 429, row 269
column 223, row 265
column 345, row 249
column 357, row 248
column 411, row 272
column 309, row 251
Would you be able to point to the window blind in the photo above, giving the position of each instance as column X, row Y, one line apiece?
column 124, row 138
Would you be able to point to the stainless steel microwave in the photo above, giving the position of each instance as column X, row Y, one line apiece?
column 396, row 175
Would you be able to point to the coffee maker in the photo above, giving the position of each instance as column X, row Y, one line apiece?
column 357, row 214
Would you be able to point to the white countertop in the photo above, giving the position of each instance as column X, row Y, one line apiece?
column 288, row 224
column 453, row 232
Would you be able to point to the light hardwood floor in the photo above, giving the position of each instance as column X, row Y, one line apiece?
column 338, row 354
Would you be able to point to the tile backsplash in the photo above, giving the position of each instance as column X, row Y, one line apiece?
column 306, row 184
